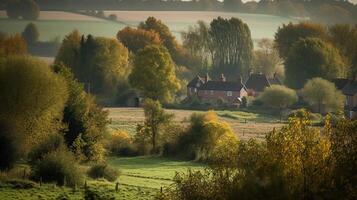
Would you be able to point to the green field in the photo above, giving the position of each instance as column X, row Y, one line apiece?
column 245, row 124
column 141, row 179
column 58, row 24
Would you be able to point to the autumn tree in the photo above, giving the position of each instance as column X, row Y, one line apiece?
column 318, row 92
column 312, row 57
column 290, row 33
column 32, row 99
column 232, row 53
column 136, row 39
column 153, row 73
column 100, row 63
column 30, row 33
column 13, row 45
column 278, row 96
column 85, row 121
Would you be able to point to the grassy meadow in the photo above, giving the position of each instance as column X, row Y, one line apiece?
column 56, row 24
column 245, row 124
column 141, row 178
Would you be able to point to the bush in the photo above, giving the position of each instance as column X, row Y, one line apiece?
column 60, row 167
column 113, row 17
column 300, row 114
column 9, row 153
column 20, row 184
column 103, row 171
column 52, row 143
column 120, row 143
column 90, row 194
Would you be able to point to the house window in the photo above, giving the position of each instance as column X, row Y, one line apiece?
column 211, row 92
column 229, row 93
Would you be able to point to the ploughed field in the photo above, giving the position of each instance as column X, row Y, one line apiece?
column 245, row 124
column 56, row 24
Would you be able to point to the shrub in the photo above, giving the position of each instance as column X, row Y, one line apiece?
column 300, row 114
column 9, row 153
column 90, row 194
column 20, row 183
column 103, row 171
column 59, row 166
column 52, row 143
column 120, row 143
column 112, row 17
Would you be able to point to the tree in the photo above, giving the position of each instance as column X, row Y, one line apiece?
column 9, row 153
column 288, row 34
column 136, row 39
column 347, row 47
column 13, row 45
column 278, row 96
column 153, row 73
column 332, row 14
column 155, row 118
column 312, row 57
column 32, row 99
column 30, row 9
column 85, row 121
column 30, row 33
column 100, row 63
column 318, row 92
column 13, row 9
column 266, row 59
column 232, row 46
column 168, row 40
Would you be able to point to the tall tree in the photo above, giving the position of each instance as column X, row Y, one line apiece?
column 136, row 39
column 290, row 33
column 312, row 57
column 30, row 33
column 154, row 73
column 266, row 58
column 318, row 92
column 232, row 42
column 30, row 9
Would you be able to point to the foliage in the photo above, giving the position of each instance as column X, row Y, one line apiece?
column 30, row 33
column 318, row 92
column 58, row 166
column 266, row 59
column 103, row 170
column 21, row 183
column 27, row 9
column 312, row 57
column 32, row 99
column 120, row 143
column 98, row 62
column 232, row 46
column 85, row 120
column 290, row 33
column 92, row 194
column 278, row 96
column 136, row 39
column 155, row 118
column 153, row 73
column 9, row 152
column 12, row 45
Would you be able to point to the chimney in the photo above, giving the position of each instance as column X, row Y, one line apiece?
column 207, row 78
column 223, row 78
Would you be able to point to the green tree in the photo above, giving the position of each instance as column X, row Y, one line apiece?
column 233, row 46
column 32, row 99
column 288, row 34
column 100, row 63
column 155, row 118
column 153, row 73
column 318, row 92
column 85, row 121
column 30, row 33
column 278, row 96
column 136, row 39
column 312, row 57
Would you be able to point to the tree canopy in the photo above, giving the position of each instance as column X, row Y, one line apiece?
column 136, row 39
column 312, row 57
column 323, row 95
column 27, row 9
column 153, row 73
column 278, row 96
column 30, row 33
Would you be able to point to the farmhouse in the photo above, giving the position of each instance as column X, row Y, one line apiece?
column 208, row 90
column 349, row 89
column 256, row 83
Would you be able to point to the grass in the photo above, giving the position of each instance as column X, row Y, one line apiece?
column 141, row 179
column 246, row 124
column 52, row 24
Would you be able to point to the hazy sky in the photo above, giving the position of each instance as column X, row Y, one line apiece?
column 353, row 1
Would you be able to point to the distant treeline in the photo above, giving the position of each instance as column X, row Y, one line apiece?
column 325, row 11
